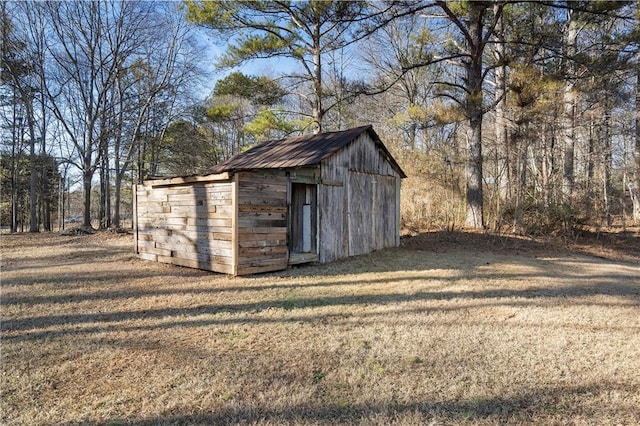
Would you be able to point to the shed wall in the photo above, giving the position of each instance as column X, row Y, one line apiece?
column 188, row 225
column 359, row 199
column 262, row 221
column 240, row 225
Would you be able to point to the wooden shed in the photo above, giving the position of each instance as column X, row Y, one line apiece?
column 295, row 200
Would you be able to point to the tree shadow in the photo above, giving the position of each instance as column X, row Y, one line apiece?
column 28, row 328
column 103, row 278
column 537, row 405
column 620, row 246
column 577, row 282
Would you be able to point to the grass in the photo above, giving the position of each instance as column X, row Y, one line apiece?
column 440, row 331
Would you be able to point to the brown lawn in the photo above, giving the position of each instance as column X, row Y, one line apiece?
column 448, row 329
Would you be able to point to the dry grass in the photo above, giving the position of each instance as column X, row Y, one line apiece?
column 440, row 331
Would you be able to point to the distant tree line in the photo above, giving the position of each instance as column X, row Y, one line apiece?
column 94, row 85
column 506, row 114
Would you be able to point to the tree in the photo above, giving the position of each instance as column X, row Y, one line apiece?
column 304, row 31
column 146, row 93
column 187, row 149
column 476, row 23
column 241, row 110
column 407, row 42
column 635, row 194
column 89, row 43
column 18, row 72
column 263, row 99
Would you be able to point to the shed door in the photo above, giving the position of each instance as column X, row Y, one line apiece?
column 303, row 218
column 372, row 218
column 361, row 214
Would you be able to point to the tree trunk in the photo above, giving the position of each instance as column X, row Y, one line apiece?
column 502, row 143
column 569, row 111
column 474, row 175
column 589, row 202
column 475, row 197
column 115, row 221
column 105, row 193
column 33, row 171
column 116, row 200
column 87, row 176
column 43, row 134
column 14, row 168
column 119, row 129
column 521, row 188
column 545, row 167
column 635, row 193
column 608, row 164
column 61, row 203
column 33, row 188
column 318, row 113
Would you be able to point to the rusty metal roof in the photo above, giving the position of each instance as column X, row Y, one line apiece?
column 299, row 151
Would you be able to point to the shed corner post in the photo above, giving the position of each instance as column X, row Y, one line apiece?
column 398, row 226
column 135, row 218
column 234, row 224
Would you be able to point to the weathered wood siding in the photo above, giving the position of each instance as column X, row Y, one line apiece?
column 240, row 223
column 188, row 225
column 358, row 201
column 262, row 221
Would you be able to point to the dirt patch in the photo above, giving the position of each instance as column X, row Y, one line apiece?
column 446, row 329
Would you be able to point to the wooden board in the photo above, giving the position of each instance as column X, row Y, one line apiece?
column 186, row 180
column 372, row 212
column 332, row 223
column 261, row 222
column 187, row 224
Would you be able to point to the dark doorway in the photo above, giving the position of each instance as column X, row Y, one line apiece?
column 304, row 223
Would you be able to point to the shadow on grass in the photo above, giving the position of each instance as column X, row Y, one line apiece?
column 99, row 277
column 612, row 246
column 425, row 268
column 542, row 405
column 607, row 285
column 111, row 320
column 416, row 266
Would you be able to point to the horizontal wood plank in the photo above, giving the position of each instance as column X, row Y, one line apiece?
column 262, row 230
column 148, row 256
column 156, row 251
column 187, row 180
column 262, row 251
column 254, row 223
column 249, row 237
column 202, row 257
column 252, row 208
column 247, row 270
column 262, row 243
column 215, row 267
column 280, row 262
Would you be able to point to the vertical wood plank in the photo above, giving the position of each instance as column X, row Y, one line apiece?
column 347, row 215
column 234, row 225
column 135, row 217
column 397, row 215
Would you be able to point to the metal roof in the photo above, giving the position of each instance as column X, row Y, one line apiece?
column 299, row 151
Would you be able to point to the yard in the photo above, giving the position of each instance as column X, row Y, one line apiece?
column 447, row 329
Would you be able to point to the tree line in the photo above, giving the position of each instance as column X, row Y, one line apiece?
column 505, row 114
column 94, row 85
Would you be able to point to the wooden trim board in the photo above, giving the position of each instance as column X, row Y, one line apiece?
column 187, row 179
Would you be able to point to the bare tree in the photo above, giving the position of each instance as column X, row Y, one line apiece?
column 19, row 72
column 635, row 192
column 164, row 69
